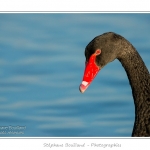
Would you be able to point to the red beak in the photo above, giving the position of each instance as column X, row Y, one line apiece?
column 90, row 72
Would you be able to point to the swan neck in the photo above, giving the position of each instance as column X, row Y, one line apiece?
column 139, row 79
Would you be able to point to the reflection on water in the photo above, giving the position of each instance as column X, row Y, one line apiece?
column 41, row 67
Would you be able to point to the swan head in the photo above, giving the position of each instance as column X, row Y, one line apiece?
column 100, row 51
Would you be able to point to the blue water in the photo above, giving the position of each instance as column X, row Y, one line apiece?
column 41, row 67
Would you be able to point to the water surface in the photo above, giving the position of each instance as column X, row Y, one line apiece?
column 41, row 67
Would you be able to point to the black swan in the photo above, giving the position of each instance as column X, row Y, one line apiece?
column 104, row 49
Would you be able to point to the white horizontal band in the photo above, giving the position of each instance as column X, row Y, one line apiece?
column 84, row 83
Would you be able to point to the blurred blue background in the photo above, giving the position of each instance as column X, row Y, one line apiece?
column 42, row 64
